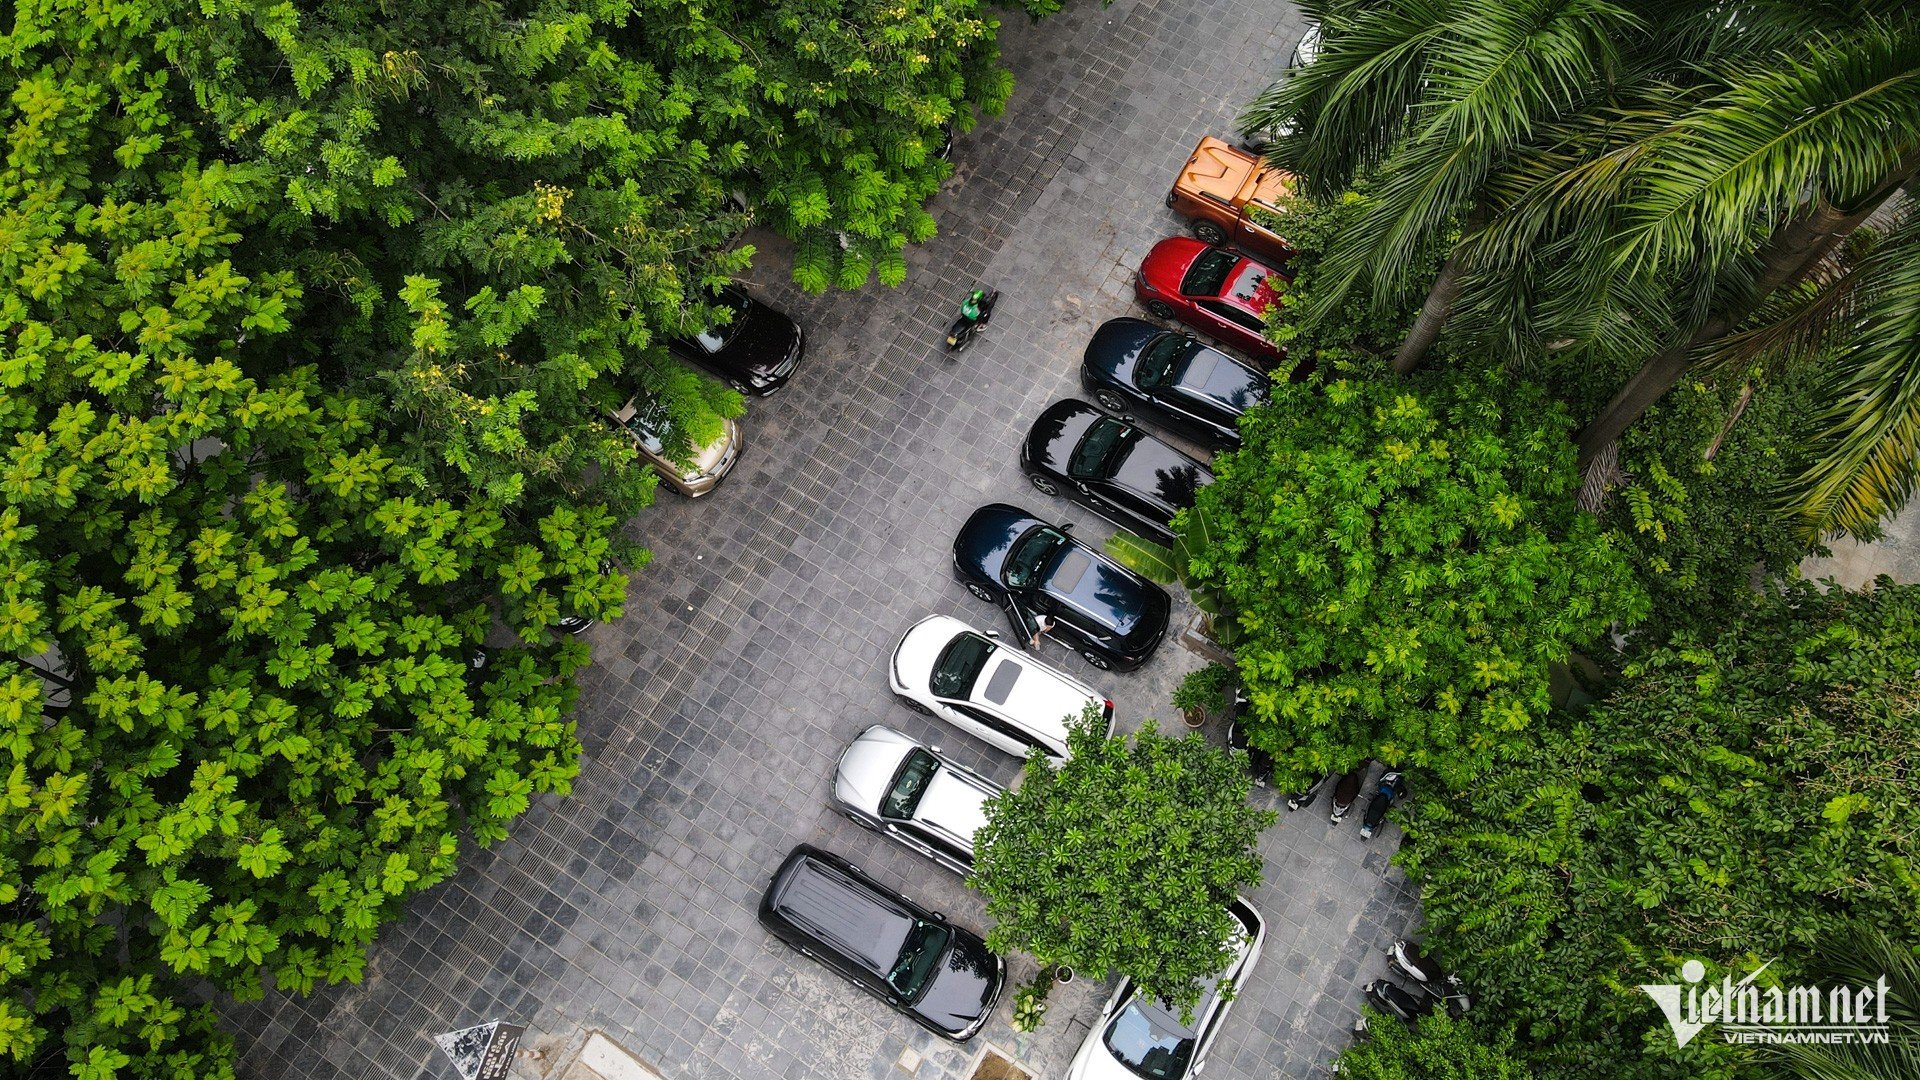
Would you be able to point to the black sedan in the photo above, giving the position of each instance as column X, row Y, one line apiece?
column 1042, row 576
column 1199, row 391
column 755, row 352
column 1111, row 467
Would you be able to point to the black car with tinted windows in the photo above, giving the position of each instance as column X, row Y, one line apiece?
column 1035, row 571
column 1132, row 365
column 755, row 351
column 913, row 959
column 1111, row 467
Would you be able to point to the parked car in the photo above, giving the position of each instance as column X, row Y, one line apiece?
column 1132, row 365
column 1307, row 49
column 939, row 974
column 647, row 424
column 1224, row 190
column 1141, row 1037
column 945, row 668
column 893, row 785
column 1215, row 290
column 755, row 352
column 1111, row 467
column 1037, row 573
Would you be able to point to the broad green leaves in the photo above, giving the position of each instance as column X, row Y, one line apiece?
column 1124, row 859
column 1403, row 562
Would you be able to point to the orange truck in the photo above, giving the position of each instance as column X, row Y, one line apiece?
column 1219, row 188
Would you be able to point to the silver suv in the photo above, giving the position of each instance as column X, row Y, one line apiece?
column 891, row 784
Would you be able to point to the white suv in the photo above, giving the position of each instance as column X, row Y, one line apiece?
column 891, row 784
column 945, row 668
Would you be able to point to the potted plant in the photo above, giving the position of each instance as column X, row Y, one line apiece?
column 1030, row 1002
column 1203, row 693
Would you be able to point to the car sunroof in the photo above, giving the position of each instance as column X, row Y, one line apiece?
column 1001, row 684
column 1200, row 368
column 1072, row 568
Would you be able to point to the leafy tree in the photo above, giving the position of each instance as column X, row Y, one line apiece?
column 1124, row 859
column 1441, row 1048
column 1403, row 562
column 240, row 715
column 829, row 115
column 1741, row 797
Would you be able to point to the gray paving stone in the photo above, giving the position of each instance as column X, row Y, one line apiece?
column 755, row 645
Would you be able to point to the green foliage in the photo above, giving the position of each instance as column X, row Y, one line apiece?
column 1858, row 959
column 1441, row 1048
column 1352, row 326
column 828, row 115
column 1030, row 1001
column 1743, row 796
column 1404, row 561
column 1124, row 859
column 1205, row 689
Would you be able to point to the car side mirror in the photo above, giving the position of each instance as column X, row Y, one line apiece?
column 1066, row 526
column 993, row 633
column 935, row 748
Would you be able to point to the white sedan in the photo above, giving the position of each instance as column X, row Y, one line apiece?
column 943, row 667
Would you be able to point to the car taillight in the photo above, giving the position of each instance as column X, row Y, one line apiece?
column 1109, row 710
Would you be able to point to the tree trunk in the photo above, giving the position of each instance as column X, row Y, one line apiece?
column 1433, row 315
column 1793, row 251
column 1441, row 297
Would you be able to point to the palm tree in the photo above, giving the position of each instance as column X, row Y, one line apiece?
column 1433, row 97
column 1859, row 959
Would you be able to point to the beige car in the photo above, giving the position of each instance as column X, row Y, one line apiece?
column 645, row 423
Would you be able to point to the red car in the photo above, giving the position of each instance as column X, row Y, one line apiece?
column 1213, row 289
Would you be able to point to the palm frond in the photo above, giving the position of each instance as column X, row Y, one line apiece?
column 1864, row 453
column 1155, row 562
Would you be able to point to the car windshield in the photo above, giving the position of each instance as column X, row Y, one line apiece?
column 959, row 665
column 1030, row 554
column 1150, row 1042
column 1209, row 272
column 922, row 951
column 715, row 338
column 911, row 783
column 648, row 423
column 1093, row 458
column 1157, row 361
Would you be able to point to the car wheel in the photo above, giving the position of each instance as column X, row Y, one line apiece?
column 1170, row 199
column 1097, row 660
column 981, row 592
column 1110, row 401
column 914, row 706
column 1210, row 232
column 1159, row 309
column 1044, row 485
column 739, row 387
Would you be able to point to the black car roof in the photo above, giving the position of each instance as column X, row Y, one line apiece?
column 825, row 901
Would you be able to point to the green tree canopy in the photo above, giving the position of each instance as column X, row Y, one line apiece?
column 1403, row 562
column 1124, row 859
column 1440, row 1048
column 1741, row 797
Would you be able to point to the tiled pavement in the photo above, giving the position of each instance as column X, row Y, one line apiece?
column 754, row 646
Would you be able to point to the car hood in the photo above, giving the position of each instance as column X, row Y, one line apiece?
column 1058, row 431
column 1158, row 472
column 765, row 341
column 1130, row 606
column 1165, row 267
column 1212, row 374
column 868, row 767
column 988, row 535
column 1116, row 346
column 964, row 987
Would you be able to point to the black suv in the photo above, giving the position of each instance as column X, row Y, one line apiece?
column 911, row 958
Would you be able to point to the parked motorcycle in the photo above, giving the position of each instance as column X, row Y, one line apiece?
column 1428, row 977
column 975, row 311
column 1392, row 788
column 1395, row 1001
column 1259, row 762
column 1305, row 796
column 1347, row 791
